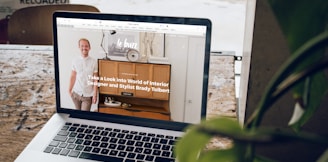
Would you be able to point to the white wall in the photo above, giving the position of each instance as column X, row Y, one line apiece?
column 227, row 16
column 186, row 76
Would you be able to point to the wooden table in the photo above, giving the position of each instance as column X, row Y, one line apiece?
column 27, row 94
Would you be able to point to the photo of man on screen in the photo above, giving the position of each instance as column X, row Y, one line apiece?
column 82, row 84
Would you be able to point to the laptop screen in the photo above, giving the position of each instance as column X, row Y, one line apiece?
column 137, row 66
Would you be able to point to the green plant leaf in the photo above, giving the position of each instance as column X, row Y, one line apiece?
column 323, row 157
column 191, row 145
column 228, row 155
column 263, row 159
column 300, row 21
column 223, row 124
column 318, row 91
column 235, row 154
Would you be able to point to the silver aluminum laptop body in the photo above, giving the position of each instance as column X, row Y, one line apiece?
column 152, row 76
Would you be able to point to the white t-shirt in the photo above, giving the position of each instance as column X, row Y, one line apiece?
column 85, row 68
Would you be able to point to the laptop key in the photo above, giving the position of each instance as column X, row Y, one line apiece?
column 166, row 154
column 160, row 136
column 96, row 150
column 113, row 152
column 151, row 135
column 67, row 123
column 48, row 149
column 156, row 152
column 163, row 141
column 113, row 140
column 54, row 143
column 131, row 155
column 166, row 147
column 171, row 142
column 100, row 128
column 73, row 134
column 112, row 146
column 63, row 145
column 64, row 152
column 161, row 159
column 156, row 146
column 65, row 127
column 112, row 134
column 88, row 136
column 148, row 145
column 150, row 158
column 146, row 139
column 120, row 135
column 88, row 131
column 79, row 141
column 130, row 143
column 72, row 129
column 105, row 139
column 140, row 157
column 71, row 146
column 80, row 130
column 87, row 149
column 96, row 138
column 154, row 140
column 104, row 133
column 74, row 153
column 137, row 138
column 104, row 145
column 63, row 133
column 138, row 150
column 95, row 143
column 87, row 142
column 125, row 131
column 56, row 151
column 122, row 154
column 121, row 147
column 81, row 135
column 71, row 140
column 96, row 132
column 60, row 138
column 147, row 151
column 117, row 130
column 108, row 129
column 129, row 136
column 139, row 144
column 79, row 147
column 134, row 132
column 104, row 151
column 122, row 141
column 129, row 148
column 97, row 157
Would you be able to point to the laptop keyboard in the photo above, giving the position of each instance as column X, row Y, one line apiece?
column 108, row 144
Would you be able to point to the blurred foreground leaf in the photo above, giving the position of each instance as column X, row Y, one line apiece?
column 301, row 20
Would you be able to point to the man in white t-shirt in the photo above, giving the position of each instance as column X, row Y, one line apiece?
column 83, row 82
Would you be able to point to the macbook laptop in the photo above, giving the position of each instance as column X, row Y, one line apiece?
column 126, row 87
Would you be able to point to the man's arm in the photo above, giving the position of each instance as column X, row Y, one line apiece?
column 95, row 88
column 71, row 82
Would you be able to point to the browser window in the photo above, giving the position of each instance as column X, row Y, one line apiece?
column 146, row 70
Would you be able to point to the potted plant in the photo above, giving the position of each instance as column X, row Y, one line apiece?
column 304, row 25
